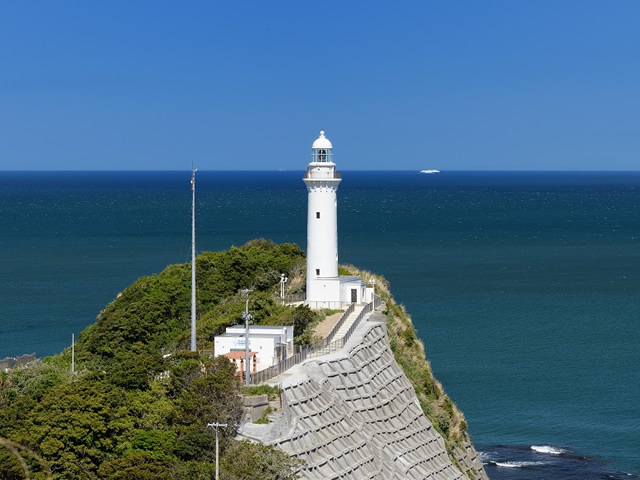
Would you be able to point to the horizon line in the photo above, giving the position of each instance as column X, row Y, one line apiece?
column 457, row 170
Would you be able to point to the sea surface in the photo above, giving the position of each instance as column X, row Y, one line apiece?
column 524, row 286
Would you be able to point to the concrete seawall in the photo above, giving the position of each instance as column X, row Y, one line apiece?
column 354, row 415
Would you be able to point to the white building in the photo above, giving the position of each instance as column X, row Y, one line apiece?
column 268, row 345
column 325, row 288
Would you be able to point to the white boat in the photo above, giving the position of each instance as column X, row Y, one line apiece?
column 429, row 171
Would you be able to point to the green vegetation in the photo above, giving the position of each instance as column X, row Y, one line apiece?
column 264, row 418
column 140, row 404
column 344, row 270
column 269, row 390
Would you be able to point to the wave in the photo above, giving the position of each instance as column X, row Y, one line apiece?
column 485, row 456
column 516, row 464
column 545, row 462
column 548, row 449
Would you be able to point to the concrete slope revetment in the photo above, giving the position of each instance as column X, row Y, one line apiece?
column 354, row 415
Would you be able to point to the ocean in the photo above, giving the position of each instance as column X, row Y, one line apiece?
column 524, row 286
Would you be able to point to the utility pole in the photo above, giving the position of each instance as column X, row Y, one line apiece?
column 216, row 425
column 283, row 280
column 73, row 353
column 246, row 317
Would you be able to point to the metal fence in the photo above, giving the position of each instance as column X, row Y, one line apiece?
column 377, row 301
column 330, row 305
column 326, row 347
column 340, row 322
column 295, row 298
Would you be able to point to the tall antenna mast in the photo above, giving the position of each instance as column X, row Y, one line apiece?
column 193, row 258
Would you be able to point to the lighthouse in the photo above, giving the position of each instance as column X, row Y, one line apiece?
column 325, row 288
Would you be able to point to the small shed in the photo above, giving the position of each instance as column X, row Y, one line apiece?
column 269, row 344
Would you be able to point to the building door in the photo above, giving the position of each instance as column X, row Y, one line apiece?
column 354, row 295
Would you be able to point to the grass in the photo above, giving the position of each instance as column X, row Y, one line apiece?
column 264, row 419
column 269, row 390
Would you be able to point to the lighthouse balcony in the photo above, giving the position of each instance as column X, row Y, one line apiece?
column 322, row 173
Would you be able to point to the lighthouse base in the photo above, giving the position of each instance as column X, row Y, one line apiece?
column 335, row 292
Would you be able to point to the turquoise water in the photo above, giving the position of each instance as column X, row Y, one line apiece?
column 525, row 287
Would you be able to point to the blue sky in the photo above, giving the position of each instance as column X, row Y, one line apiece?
column 464, row 85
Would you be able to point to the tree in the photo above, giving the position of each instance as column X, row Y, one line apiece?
column 213, row 394
column 248, row 461
column 135, row 414
column 71, row 427
column 36, row 378
column 140, row 466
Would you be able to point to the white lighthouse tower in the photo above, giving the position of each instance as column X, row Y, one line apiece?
column 325, row 289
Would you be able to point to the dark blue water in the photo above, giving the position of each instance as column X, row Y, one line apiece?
column 524, row 286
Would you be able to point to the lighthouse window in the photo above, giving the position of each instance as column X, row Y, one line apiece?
column 322, row 155
column 317, row 214
column 317, row 271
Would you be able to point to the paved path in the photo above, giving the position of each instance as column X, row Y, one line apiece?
column 325, row 326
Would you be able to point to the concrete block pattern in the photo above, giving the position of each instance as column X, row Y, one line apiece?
column 355, row 415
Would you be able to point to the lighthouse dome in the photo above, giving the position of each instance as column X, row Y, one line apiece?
column 322, row 142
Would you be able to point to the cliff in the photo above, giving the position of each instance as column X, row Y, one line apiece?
column 409, row 352
column 354, row 414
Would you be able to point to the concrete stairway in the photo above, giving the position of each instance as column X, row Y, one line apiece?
column 350, row 320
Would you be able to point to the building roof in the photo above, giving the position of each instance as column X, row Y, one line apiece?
column 251, row 335
column 239, row 355
column 349, row 278
column 258, row 327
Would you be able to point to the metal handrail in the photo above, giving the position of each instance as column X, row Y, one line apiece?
column 309, row 352
column 340, row 322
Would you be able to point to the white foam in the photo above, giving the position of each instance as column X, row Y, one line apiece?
column 548, row 449
column 517, row 464
column 485, row 456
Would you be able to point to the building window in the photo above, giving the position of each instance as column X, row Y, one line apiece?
column 317, row 271
column 317, row 214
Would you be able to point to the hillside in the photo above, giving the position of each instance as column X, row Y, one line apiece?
column 139, row 403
